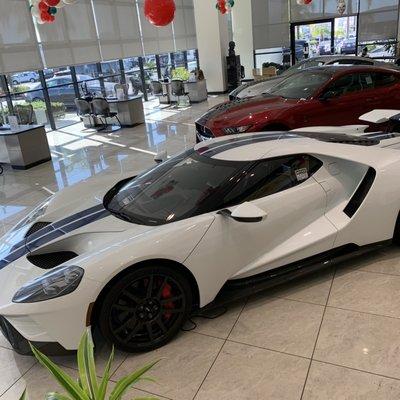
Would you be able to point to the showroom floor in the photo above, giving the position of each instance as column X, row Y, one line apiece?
column 333, row 335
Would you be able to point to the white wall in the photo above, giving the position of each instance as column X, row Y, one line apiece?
column 212, row 43
column 242, row 25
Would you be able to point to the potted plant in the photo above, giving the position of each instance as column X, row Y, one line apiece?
column 88, row 386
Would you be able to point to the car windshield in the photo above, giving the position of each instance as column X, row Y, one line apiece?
column 300, row 86
column 184, row 186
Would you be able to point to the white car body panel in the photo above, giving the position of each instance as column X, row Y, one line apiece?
column 297, row 223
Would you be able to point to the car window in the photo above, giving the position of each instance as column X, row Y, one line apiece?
column 384, row 79
column 345, row 84
column 52, row 83
column 272, row 176
column 179, row 188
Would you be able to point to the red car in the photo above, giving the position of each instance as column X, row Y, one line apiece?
column 330, row 95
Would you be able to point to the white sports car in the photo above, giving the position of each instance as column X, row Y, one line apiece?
column 232, row 216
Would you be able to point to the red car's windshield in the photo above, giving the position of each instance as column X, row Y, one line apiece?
column 302, row 85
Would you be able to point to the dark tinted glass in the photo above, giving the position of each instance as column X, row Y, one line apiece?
column 346, row 84
column 384, row 79
column 180, row 188
column 272, row 176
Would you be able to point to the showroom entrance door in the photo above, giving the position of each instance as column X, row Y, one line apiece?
column 324, row 37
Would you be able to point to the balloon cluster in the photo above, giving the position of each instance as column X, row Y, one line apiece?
column 159, row 12
column 224, row 6
column 303, row 2
column 45, row 11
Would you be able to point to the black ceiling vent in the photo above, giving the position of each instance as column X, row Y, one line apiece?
column 37, row 226
column 51, row 260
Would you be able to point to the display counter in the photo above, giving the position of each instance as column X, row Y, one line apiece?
column 24, row 147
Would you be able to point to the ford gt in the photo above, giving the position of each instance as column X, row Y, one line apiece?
column 317, row 96
column 133, row 256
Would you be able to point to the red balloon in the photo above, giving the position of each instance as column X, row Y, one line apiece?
column 159, row 12
column 43, row 6
column 307, row 1
column 52, row 3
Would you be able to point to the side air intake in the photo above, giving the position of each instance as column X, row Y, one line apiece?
column 361, row 193
column 51, row 260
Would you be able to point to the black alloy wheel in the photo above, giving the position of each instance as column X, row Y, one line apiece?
column 145, row 309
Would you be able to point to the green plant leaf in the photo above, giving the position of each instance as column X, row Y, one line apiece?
column 56, row 396
column 125, row 383
column 101, row 394
column 24, row 396
column 86, row 365
column 72, row 388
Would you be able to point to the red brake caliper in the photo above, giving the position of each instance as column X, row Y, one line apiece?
column 166, row 294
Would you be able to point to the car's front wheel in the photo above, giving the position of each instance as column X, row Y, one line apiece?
column 145, row 308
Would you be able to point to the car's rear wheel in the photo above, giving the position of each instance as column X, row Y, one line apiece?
column 15, row 82
column 145, row 309
column 396, row 233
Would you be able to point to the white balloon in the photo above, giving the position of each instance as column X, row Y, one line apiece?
column 300, row 2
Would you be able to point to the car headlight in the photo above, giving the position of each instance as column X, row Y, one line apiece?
column 233, row 130
column 56, row 283
column 33, row 215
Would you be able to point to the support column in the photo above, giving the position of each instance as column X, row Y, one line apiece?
column 212, row 43
column 242, row 26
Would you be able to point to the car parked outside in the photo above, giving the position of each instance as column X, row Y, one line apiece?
column 62, row 90
column 24, row 77
column 348, row 46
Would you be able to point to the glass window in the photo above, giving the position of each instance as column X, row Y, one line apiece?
column 86, row 72
column 180, row 188
column 3, row 110
column 302, row 85
column 133, row 76
column 23, row 81
column 272, row 176
column 110, row 68
column 165, row 65
column 30, row 108
column 192, row 59
column 179, row 59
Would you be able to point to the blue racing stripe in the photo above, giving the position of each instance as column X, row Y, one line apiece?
column 52, row 232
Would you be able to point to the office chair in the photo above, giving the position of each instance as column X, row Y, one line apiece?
column 101, row 109
column 158, row 90
column 24, row 114
column 122, row 86
column 84, row 110
column 178, row 90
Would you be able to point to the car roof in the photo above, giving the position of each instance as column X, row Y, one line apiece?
column 255, row 146
column 339, row 69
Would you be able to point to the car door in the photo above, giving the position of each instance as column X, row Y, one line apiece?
column 340, row 103
column 295, row 226
column 384, row 90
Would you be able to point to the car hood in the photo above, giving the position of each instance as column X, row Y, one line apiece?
column 235, row 112
column 75, row 220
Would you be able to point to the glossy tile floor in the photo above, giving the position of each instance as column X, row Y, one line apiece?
column 333, row 335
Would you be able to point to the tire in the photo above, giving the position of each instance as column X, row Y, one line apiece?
column 274, row 127
column 15, row 82
column 145, row 309
column 396, row 233
column 32, row 80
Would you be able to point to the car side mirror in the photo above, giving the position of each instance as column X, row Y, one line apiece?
column 245, row 212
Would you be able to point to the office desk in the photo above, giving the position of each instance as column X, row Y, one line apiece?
column 197, row 91
column 24, row 147
column 130, row 110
